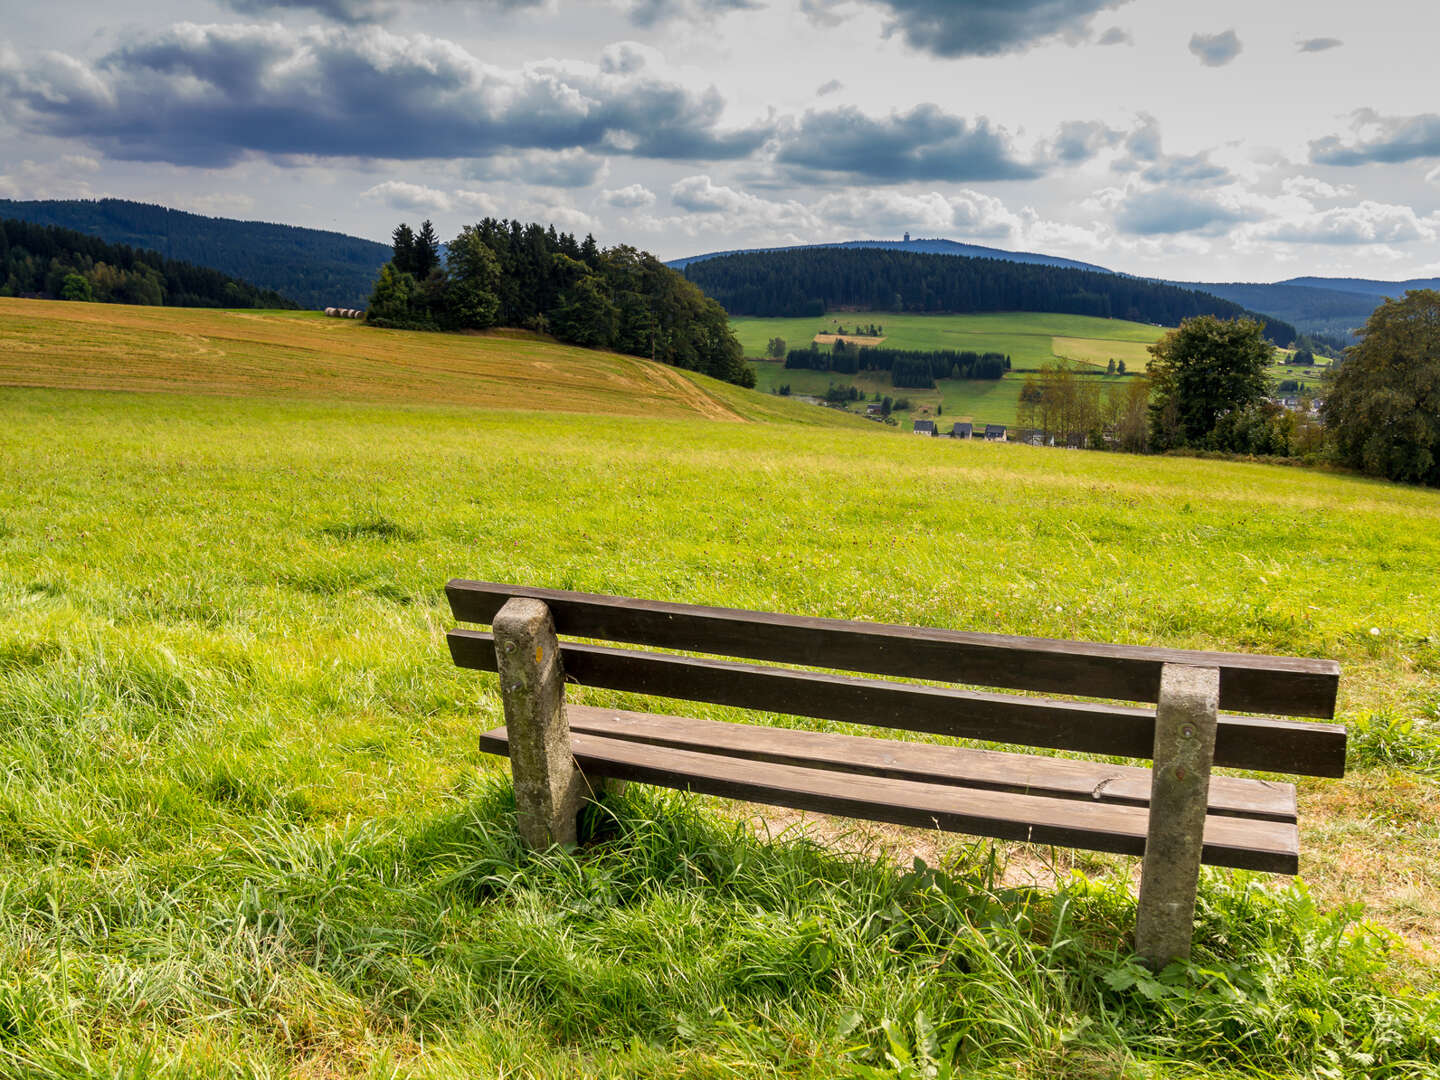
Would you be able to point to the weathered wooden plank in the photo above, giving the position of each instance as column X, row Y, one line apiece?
column 1244, row 742
column 548, row 787
column 925, row 762
column 1185, row 725
column 1244, row 843
column 1286, row 686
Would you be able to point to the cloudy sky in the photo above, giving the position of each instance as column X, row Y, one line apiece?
column 1233, row 141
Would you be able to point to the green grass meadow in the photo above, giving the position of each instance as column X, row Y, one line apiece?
column 1030, row 339
column 245, row 829
column 994, row 401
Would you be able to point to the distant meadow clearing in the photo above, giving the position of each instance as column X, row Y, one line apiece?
column 246, row 830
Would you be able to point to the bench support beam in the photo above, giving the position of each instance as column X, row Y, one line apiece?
column 548, row 786
column 1185, row 722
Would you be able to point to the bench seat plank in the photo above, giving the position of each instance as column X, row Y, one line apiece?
column 927, row 762
column 1284, row 685
column 1243, row 843
column 1242, row 742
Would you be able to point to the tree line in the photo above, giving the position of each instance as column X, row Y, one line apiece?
column 61, row 264
column 917, row 369
column 808, row 282
column 1068, row 408
column 509, row 273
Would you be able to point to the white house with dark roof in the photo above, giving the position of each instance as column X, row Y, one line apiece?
column 924, row 427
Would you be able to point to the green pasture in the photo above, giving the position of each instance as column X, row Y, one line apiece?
column 993, row 401
column 1031, row 340
column 1028, row 338
column 245, row 829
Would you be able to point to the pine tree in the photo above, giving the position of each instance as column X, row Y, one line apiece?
column 426, row 251
column 402, row 244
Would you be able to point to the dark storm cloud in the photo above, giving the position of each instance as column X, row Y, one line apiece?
column 354, row 10
column 208, row 95
column 951, row 28
column 922, row 144
column 1161, row 213
column 1319, row 44
column 1384, row 139
column 1216, row 50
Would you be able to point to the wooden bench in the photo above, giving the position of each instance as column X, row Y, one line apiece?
column 1175, row 814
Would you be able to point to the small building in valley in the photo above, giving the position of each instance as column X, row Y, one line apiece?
column 924, row 427
column 994, row 432
column 965, row 430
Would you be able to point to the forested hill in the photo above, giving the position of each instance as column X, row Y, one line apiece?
column 314, row 268
column 919, row 247
column 61, row 264
column 1329, row 315
column 811, row 281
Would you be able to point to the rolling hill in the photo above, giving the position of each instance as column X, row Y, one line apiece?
column 314, row 268
column 808, row 282
column 1365, row 286
column 919, row 247
column 304, row 355
column 1332, row 308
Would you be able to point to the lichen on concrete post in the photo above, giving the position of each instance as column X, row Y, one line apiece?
column 548, row 785
column 1185, row 720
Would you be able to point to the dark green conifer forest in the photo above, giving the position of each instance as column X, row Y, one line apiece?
column 313, row 267
column 60, row 264
column 807, row 282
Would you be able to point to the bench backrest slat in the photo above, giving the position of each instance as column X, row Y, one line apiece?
column 1285, row 686
column 1242, row 742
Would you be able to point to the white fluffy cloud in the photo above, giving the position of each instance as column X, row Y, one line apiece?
column 850, row 214
column 631, row 197
column 1363, row 223
column 66, row 177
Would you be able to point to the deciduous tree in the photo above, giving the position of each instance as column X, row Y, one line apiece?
column 1382, row 402
column 1206, row 368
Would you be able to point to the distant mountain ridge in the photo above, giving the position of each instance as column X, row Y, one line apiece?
column 934, row 246
column 313, row 267
column 1365, row 286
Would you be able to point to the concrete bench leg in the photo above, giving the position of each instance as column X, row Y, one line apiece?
column 548, row 785
column 1179, row 797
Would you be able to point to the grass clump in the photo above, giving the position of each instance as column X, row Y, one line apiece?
column 1386, row 739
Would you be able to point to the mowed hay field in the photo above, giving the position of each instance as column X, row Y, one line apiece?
column 245, row 829
column 307, row 355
